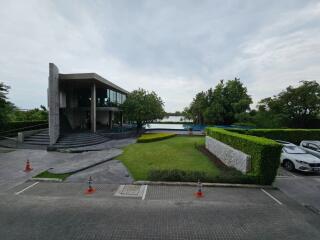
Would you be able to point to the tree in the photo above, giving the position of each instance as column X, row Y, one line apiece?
column 215, row 112
column 198, row 107
column 143, row 107
column 5, row 106
column 236, row 100
column 221, row 105
column 295, row 106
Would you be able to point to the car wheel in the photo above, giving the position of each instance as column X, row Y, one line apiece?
column 288, row 165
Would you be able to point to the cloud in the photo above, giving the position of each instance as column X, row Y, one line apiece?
column 174, row 49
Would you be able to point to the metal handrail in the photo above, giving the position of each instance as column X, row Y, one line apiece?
column 24, row 128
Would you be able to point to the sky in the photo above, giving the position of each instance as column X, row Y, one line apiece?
column 175, row 48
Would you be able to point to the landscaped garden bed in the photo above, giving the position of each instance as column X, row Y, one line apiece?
column 180, row 158
column 151, row 137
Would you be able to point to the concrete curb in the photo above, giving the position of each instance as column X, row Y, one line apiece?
column 194, row 184
column 81, row 168
column 84, row 168
column 46, row 179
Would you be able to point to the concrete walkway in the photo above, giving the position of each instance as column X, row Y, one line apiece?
column 119, row 143
column 112, row 171
column 85, row 160
column 12, row 163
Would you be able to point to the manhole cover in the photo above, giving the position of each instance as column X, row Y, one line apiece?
column 130, row 191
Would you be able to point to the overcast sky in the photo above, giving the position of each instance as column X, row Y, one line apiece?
column 175, row 48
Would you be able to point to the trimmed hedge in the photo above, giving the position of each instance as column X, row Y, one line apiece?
column 178, row 175
column 265, row 153
column 290, row 135
column 237, row 130
column 151, row 137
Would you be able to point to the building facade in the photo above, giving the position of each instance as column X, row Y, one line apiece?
column 82, row 102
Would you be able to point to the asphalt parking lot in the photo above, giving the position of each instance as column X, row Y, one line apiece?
column 62, row 210
column 37, row 210
column 302, row 187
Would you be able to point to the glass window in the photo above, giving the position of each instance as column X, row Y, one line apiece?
column 119, row 97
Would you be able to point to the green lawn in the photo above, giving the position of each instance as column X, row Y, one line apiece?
column 175, row 153
column 47, row 174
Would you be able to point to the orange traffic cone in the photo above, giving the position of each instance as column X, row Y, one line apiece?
column 199, row 192
column 28, row 167
column 90, row 189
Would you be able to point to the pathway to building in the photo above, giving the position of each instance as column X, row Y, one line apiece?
column 12, row 163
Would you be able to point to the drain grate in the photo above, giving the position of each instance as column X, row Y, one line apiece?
column 135, row 191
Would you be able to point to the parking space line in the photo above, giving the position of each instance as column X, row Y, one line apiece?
column 272, row 197
column 32, row 185
column 145, row 192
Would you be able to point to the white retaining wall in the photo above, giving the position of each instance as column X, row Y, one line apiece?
column 228, row 155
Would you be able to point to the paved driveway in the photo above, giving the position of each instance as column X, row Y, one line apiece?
column 303, row 187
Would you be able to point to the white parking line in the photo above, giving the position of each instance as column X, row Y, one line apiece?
column 145, row 192
column 269, row 195
column 32, row 185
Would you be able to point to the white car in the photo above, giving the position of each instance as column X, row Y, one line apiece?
column 293, row 157
column 312, row 147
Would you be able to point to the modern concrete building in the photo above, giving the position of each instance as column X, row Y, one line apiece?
column 82, row 102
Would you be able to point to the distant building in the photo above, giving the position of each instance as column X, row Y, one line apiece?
column 82, row 101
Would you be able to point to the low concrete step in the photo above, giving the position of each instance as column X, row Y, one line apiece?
column 38, row 137
column 37, row 142
column 41, row 138
column 80, row 139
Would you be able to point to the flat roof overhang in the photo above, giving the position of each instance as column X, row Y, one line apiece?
column 87, row 77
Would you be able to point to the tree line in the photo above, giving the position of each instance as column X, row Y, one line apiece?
column 9, row 112
column 229, row 103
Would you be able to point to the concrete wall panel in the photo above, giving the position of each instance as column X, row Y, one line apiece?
column 228, row 155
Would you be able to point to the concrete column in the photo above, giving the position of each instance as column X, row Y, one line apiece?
column 121, row 115
column 110, row 119
column 93, row 108
column 54, row 103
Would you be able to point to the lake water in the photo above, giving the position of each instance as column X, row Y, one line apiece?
column 172, row 126
column 175, row 119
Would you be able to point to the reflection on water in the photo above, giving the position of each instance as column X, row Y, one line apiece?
column 166, row 126
column 175, row 119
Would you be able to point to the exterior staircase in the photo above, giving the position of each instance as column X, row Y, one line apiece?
column 40, row 138
column 69, row 140
column 73, row 140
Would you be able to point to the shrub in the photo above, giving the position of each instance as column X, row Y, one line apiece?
column 290, row 135
column 178, row 175
column 151, row 137
column 265, row 153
